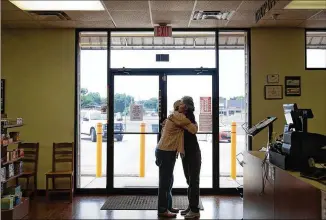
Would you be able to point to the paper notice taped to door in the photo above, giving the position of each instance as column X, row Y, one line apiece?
column 205, row 123
column 136, row 112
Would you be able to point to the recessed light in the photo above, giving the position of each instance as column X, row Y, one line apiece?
column 62, row 5
column 298, row 4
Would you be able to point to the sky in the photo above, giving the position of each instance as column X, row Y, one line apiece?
column 316, row 58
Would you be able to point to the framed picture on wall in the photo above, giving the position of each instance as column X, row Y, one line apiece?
column 273, row 92
column 293, row 86
column 2, row 96
column 273, row 78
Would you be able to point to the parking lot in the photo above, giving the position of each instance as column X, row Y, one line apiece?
column 127, row 156
column 127, row 160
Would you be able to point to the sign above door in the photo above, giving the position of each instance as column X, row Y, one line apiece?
column 163, row 31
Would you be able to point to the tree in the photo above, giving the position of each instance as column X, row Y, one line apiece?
column 122, row 102
column 152, row 103
column 84, row 91
column 237, row 98
column 89, row 98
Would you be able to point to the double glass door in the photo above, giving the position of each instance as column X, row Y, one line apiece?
column 140, row 101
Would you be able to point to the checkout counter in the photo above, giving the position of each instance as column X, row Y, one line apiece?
column 288, row 181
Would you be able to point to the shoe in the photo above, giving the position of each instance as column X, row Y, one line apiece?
column 174, row 210
column 167, row 214
column 184, row 212
column 192, row 214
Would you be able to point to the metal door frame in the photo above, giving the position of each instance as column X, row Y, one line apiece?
column 162, row 73
column 108, row 189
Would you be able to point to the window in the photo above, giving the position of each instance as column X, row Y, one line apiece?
column 185, row 50
column 316, row 49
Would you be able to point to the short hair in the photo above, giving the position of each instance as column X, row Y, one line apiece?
column 176, row 105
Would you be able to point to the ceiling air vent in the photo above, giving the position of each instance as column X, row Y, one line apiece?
column 214, row 15
column 49, row 15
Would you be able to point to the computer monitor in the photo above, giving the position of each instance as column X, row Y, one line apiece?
column 292, row 116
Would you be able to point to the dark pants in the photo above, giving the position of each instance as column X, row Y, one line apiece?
column 191, row 167
column 165, row 160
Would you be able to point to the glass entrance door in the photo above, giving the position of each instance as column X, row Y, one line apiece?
column 140, row 102
column 200, row 88
column 135, row 130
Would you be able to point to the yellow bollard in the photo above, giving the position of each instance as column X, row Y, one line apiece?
column 142, row 151
column 233, row 149
column 99, row 131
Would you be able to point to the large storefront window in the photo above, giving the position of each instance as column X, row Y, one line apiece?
column 129, row 92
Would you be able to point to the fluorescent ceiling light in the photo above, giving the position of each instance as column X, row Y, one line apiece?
column 314, row 4
column 61, row 5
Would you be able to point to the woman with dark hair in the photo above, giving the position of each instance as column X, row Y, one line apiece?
column 168, row 148
column 191, row 162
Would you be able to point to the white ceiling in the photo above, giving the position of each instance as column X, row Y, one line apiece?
column 146, row 14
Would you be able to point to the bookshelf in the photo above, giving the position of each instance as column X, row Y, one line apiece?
column 13, row 204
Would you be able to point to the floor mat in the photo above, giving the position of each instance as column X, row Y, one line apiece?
column 142, row 203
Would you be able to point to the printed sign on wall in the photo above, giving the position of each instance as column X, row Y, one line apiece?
column 136, row 112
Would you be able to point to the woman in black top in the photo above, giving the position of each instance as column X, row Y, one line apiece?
column 191, row 163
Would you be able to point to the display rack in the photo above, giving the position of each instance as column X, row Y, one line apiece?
column 16, row 206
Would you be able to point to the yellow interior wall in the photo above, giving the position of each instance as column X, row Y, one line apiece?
column 282, row 51
column 39, row 69
column 38, row 66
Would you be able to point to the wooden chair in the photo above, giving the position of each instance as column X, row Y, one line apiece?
column 62, row 153
column 31, row 151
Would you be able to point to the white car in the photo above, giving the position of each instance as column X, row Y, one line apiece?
column 89, row 121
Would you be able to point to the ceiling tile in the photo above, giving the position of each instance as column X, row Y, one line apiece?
column 250, row 5
column 160, row 5
column 313, row 24
column 131, row 19
column 57, row 24
column 208, row 24
column 179, row 23
column 240, row 24
column 94, row 24
column 15, row 16
column 319, row 16
column 170, row 16
column 291, row 14
column 279, row 23
column 243, row 16
column 88, row 15
column 126, row 5
column 76, row 24
column 217, row 5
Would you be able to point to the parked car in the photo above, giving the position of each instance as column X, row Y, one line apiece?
column 225, row 133
column 118, row 129
column 89, row 120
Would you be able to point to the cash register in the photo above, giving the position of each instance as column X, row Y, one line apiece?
column 299, row 150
